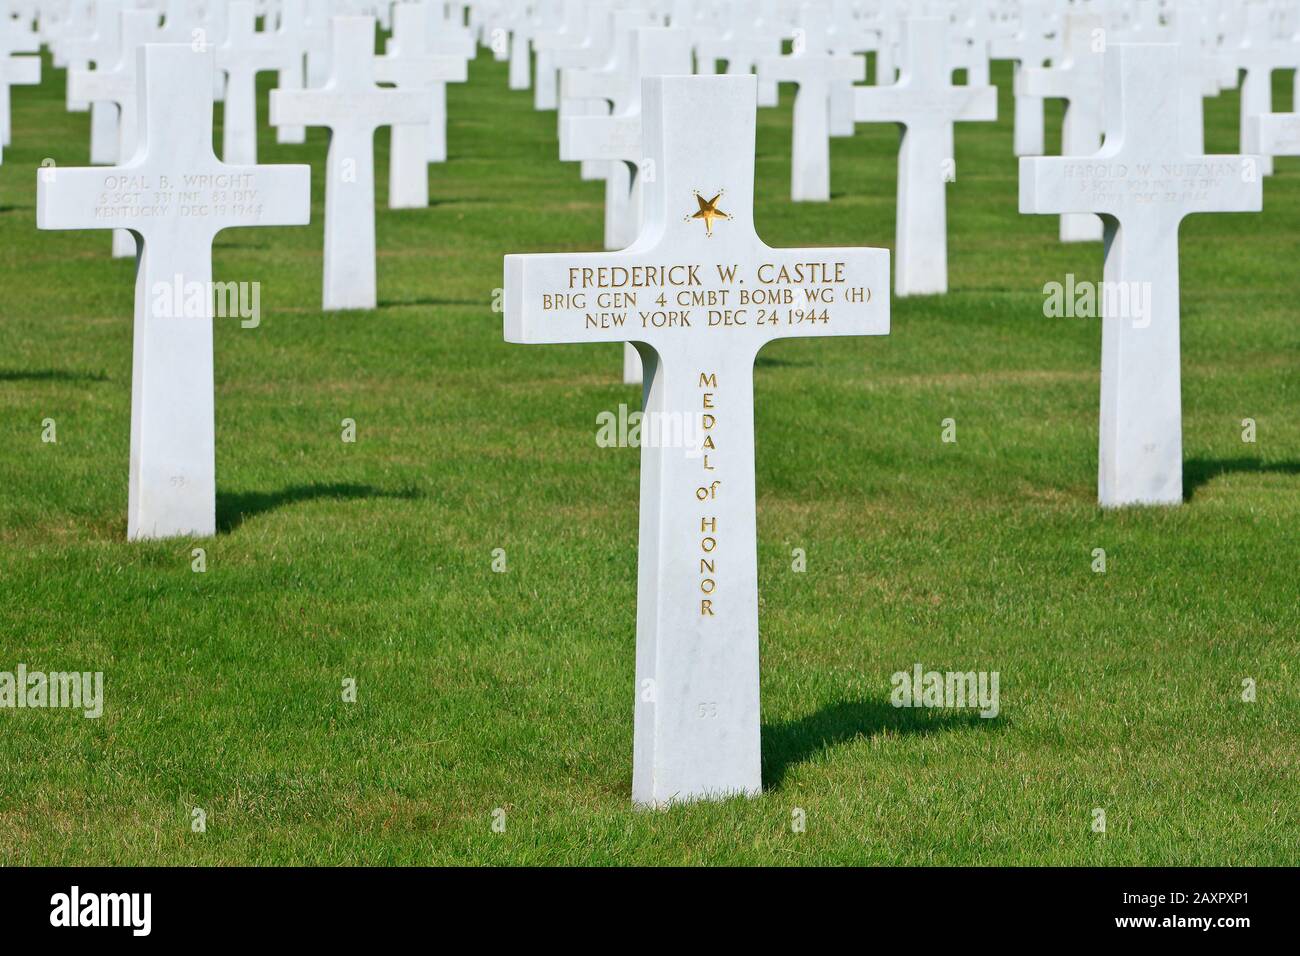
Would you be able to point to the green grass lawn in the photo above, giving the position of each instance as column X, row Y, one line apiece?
column 479, row 690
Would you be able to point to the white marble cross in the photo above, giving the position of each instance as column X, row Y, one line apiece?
column 1275, row 134
column 611, row 88
column 968, row 36
column 353, row 107
column 410, row 65
column 115, row 86
column 318, row 41
column 592, row 53
column 846, row 36
column 291, row 36
column 71, row 38
column 1197, row 75
column 1077, row 80
column 926, row 104
column 700, row 293
column 1259, row 54
column 175, row 195
column 1033, row 44
column 446, row 38
column 102, row 47
column 1144, row 182
column 614, row 137
column 567, row 33
column 748, row 40
column 657, row 51
column 518, row 21
column 243, row 54
column 15, row 70
column 815, row 70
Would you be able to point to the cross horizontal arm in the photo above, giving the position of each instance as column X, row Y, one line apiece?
column 1279, row 134
column 424, row 71
column 325, row 107
column 601, row 137
column 768, row 293
column 851, row 67
column 23, row 70
column 274, row 195
column 581, row 84
column 77, row 198
column 1052, row 83
column 884, row 104
column 95, row 86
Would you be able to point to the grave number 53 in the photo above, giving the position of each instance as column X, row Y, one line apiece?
column 707, row 709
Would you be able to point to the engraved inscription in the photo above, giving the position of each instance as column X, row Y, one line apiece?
column 712, row 297
column 1150, row 182
column 190, row 195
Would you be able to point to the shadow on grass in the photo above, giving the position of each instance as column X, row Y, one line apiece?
column 425, row 300
column 764, row 362
column 232, row 509
column 50, row 375
column 793, row 742
column 1199, row 471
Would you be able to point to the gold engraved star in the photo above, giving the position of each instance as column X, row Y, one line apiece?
column 709, row 211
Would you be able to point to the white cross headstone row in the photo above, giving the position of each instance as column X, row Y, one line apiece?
column 175, row 196
column 817, row 71
column 1144, row 180
column 748, row 35
column 292, row 38
column 616, row 86
column 700, row 294
column 612, row 87
column 16, row 38
column 926, row 104
column 566, row 31
column 616, row 138
column 79, row 24
column 590, row 52
column 98, row 46
column 114, row 85
column 1261, row 52
column 245, row 52
column 1275, row 134
column 1037, row 40
column 409, row 63
column 1075, row 77
column 352, row 106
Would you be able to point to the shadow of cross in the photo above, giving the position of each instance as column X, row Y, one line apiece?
column 1143, row 182
column 175, row 195
column 700, row 293
column 352, row 106
column 926, row 104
